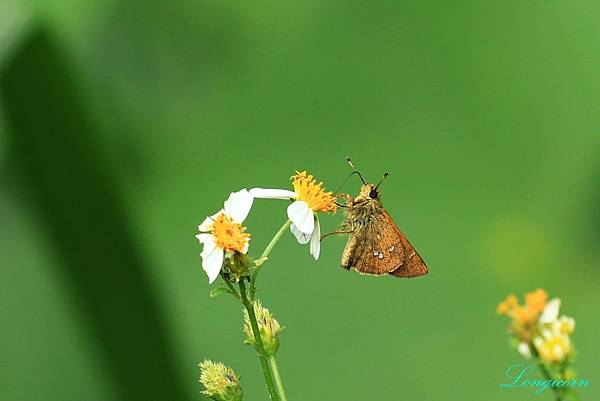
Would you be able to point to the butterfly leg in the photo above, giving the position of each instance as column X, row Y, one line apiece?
column 348, row 199
column 343, row 231
column 336, row 232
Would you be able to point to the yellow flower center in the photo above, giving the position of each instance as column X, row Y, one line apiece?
column 229, row 235
column 312, row 193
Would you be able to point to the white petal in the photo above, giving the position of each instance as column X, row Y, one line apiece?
column 238, row 205
column 212, row 263
column 302, row 216
column 207, row 223
column 267, row 193
column 246, row 246
column 524, row 350
column 300, row 236
column 315, row 242
column 550, row 312
column 208, row 242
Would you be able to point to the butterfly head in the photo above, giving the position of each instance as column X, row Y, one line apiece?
column 369, row 191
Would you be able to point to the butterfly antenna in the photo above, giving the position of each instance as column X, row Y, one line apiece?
column 355, row 170
column 345, row 181
column 384, row 177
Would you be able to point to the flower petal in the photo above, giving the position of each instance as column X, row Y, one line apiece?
column 208, row 242
column 524, row 350
column 300, row 236
column 246, row 246
column 268, row 193
column 212, row 263
column 238, row 205
column 550, row 312
column 302, row 216
column 315, row 242
column 207, row 223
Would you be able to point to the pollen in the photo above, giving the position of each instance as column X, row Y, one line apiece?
column 229, row 235
column 312, row 193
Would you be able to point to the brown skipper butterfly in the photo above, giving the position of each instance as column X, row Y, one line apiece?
column 376, row 245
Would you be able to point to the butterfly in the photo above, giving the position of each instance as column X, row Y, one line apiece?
column 376, row 245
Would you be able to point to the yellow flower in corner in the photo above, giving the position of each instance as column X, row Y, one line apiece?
column 527, row 314
column 564, row 325
column 553, row 346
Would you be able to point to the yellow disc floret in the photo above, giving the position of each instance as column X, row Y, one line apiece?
column 229, row 235
column 312, row 193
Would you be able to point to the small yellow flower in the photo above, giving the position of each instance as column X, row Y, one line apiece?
column 527, row 314
column 553, row 346
column 536, row 301
column 507, row 305
column 220, row 382
column 537, row 326
column 268, row 327
column 564, row 325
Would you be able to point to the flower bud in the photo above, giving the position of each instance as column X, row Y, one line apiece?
column 237, row 265
column 268, row 328
column 220, row 382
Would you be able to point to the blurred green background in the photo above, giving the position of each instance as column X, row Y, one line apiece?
column 124, row 123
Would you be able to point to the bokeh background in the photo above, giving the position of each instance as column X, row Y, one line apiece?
column 124, row 123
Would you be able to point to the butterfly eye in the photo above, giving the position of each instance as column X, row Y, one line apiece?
column 373, row 194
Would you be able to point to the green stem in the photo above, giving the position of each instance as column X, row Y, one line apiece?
column 230, row 286
column 558, row 394
column 278, row 383
column 265, row 256
column 278, row 235
column 259, row 344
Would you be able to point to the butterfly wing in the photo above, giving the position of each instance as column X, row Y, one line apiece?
column 379, row 247
column 412, row 265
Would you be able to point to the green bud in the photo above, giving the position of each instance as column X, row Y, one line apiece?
column 268, row 327
column 220, row 382
column 237, row 265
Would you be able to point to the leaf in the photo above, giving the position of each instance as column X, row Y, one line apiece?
column 218, row 291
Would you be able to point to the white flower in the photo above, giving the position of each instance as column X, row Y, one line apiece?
column 309, row 198
column 222, row 233
column 550, row 312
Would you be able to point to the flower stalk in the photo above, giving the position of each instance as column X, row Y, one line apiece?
column 277, row 377
column 264, row 256
column 259, row 344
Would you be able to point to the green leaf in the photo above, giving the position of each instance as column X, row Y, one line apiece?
column 218, row 291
